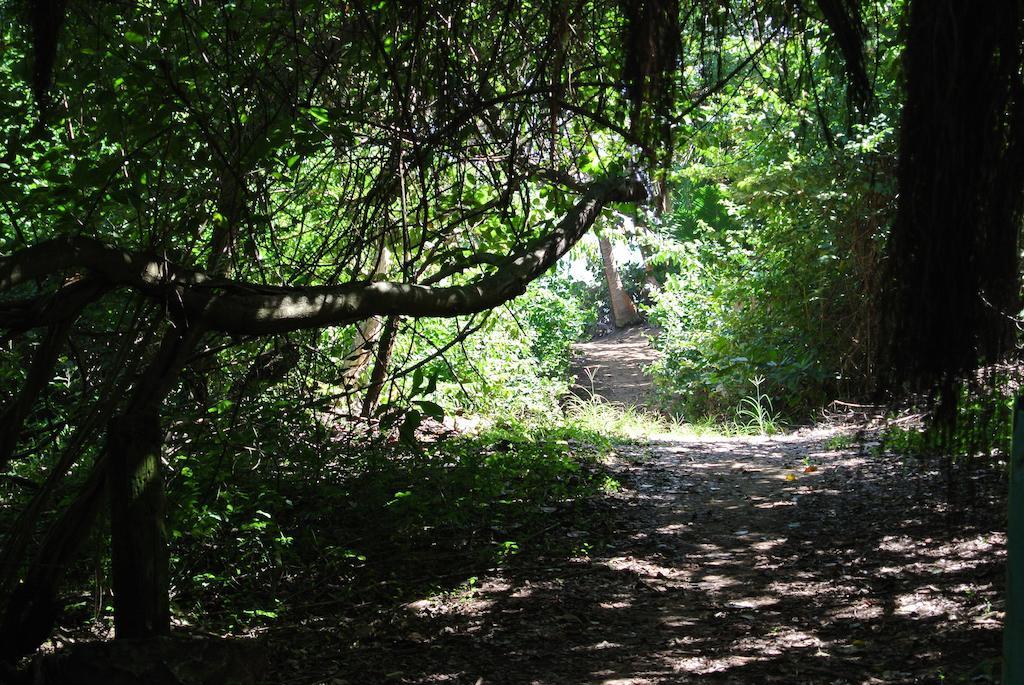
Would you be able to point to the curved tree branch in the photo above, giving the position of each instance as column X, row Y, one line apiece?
column 236, row 307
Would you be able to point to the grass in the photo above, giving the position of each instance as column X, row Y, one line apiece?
column 756, row 412
column 621, row 422
column 632, row 423
column 842, row 441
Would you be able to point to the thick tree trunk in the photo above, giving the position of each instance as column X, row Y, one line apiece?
column 138, row 537
column 952, row 259
column 130, row 465
column 30, row 608
column 623, row 310
column 1013, row 628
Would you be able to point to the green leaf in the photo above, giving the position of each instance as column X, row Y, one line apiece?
column 431, row 409
column 320, row 115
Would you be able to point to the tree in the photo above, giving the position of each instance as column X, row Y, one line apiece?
column 220, row 177
column 954, row 274
column 624, row 312
column 182, row 181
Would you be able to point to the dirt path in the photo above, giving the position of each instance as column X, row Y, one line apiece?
column 612, row 366
column 720, row 561
column 797, row 559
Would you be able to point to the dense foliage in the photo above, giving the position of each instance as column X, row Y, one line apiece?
column 262, row 264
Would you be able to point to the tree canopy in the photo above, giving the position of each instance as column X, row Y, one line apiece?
column 180, row 179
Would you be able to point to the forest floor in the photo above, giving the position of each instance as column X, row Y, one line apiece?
column 805, row 558
column 612, row 366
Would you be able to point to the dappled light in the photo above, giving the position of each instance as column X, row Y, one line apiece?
column 685, row 578
column 622, row 342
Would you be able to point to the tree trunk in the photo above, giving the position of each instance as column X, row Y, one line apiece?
column 366, row 332
column 1013, row 628
column 651, row 284
column 380, row 367
column 359, row 354
column 138, row 538
column 623, row 310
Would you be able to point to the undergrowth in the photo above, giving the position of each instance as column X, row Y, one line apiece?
column 337, row 522
column 457, row 505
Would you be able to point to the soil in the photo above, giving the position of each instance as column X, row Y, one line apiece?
column 804, row 558
column 613, row 366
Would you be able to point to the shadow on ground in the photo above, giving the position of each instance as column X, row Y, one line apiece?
column 718, row 561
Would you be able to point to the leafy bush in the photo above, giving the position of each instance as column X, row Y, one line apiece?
column 769, row 274
column 517, row 365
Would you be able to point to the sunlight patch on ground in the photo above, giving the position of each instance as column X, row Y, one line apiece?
column 603, row 644
column 924, row 604
column 675, row 622
column 807, row 587
column 753, row 602
column 892, row 543
column 774, row 504
column 703, row 665
column 715, row 582
column 621, row 604
column 435, row 678
column 774, row 645
column 952, row 557
column 767, row 545
column 864, row 610
column 642, row 567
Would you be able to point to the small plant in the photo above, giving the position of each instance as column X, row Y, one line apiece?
column 840, row 442
column 506, row 549
column 610, row 485
column 756, row 412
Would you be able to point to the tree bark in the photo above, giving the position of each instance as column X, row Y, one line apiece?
column 623, row 310
column 380, row 366
column 362, row 349
column 138, row 537
column 137, row 532
column 367, row 331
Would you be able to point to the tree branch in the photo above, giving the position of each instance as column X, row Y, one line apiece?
column 247, row 308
